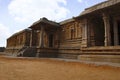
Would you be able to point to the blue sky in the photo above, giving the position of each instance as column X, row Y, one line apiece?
column 16, row 15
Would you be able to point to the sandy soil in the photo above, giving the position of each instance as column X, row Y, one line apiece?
column 46, row 69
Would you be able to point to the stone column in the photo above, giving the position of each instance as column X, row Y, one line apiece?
column 41, row 43
column 107, row 41
column 116, row 42
column 31, row 38
column 85, row 34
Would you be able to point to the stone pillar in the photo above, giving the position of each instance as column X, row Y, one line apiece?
column 116, row 42
column 85, row 34
column 107, row 41
column 76, row 30
column 31, row 38
column 41, row 43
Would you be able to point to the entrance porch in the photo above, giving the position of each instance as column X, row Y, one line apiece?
column 46, row 38
column 101, row 27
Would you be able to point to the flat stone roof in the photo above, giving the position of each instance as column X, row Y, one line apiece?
column 100, row 6
column 20, row 32
column 46, row 21
column 67, row 21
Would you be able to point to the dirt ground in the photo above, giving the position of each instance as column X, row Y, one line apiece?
column 47, row 69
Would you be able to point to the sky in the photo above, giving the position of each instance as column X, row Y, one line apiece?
column 16, row 15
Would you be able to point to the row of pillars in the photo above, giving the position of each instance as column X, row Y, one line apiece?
column 85, row 34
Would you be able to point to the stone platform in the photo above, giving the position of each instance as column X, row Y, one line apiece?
column 100, row 58
column 101, row 54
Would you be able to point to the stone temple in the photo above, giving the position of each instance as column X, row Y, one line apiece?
column 94, row 35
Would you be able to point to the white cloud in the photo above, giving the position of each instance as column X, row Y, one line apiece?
column 4, row 34
column 84, row 2
column 32, row 10
column 80, row 1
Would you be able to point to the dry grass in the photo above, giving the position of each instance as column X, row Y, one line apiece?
column 46, row 69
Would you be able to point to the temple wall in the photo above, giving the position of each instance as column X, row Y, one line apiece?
column 18, row 41
column 71, row 35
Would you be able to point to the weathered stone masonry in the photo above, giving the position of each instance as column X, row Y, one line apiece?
column 93, row 35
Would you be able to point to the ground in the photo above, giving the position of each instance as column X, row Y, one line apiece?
column 52, row 69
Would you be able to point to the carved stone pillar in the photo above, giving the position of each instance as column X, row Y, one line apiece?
column 107, row 41
column 31, row 38
column 41, row 43
column 85, row 34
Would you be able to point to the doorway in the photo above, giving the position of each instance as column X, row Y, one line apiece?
column 72, row 34
column 51, row 40
column 99, row 31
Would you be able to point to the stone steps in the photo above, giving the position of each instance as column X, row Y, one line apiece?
column 27, row 52
column 110, row 50
column 101, row 54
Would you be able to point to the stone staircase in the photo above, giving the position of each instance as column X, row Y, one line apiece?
column 27, row 52
column 111, row 50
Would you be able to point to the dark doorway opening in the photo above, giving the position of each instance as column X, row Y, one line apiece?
column 51, row 40
column 112, row 32
column 99, row 31
column 72, row 33
column 118, row 24
column 34, row 38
